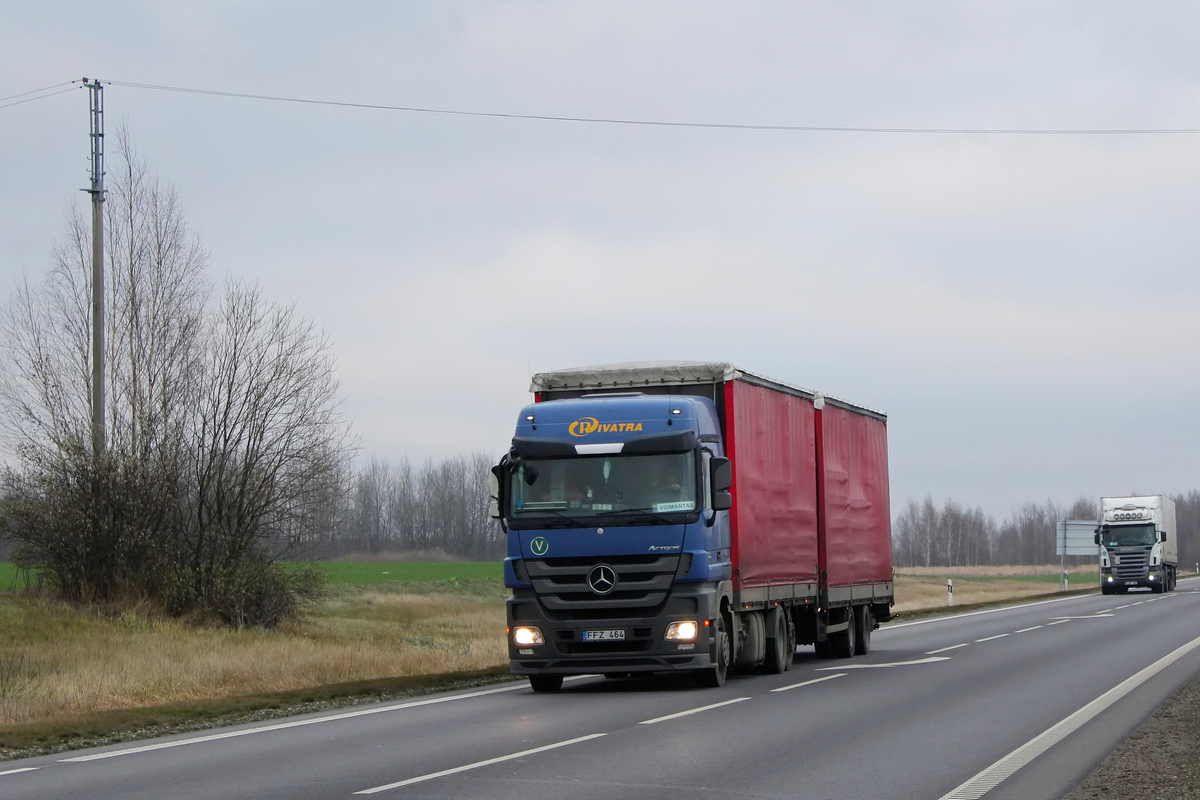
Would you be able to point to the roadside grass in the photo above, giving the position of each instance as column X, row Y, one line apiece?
column 928, row 592
column 60, row 664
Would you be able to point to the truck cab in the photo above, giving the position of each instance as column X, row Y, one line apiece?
column 1137, row 544
column 616, row 507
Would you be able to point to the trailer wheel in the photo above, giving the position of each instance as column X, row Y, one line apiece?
column 843, row 642
column 546, row 683
column 865, row 622
column 782, row 648
column 714, row 676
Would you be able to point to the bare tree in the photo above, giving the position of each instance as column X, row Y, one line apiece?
column 226, row 447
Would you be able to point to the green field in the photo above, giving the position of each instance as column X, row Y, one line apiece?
column 362, row 573
column 9, row 577
column 366, row 573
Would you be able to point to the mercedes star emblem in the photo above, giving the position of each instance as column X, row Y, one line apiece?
column 602, row 579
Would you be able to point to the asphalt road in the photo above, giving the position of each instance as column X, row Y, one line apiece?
column 1013, row 703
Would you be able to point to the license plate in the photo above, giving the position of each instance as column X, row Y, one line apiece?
column 603, row 636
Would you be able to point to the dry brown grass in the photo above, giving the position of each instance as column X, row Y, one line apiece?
column 928, row 591
column 59, row 662
column 999, row 570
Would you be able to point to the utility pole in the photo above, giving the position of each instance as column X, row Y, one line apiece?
column 97, row 192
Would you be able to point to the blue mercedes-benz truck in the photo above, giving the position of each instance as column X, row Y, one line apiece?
column 678, row 517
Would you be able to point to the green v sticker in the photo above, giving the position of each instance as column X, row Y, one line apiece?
column 539, row 546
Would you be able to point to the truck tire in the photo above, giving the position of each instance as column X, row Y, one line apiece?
column 714, row 677
column 865, row 622
column 1105, row 589
column 546, row 683
column 823, row 649
column 843, row 642
column 782, row 648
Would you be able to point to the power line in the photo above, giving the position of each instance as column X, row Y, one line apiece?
column 669, row 123
column 35, row 91
column 4, row 104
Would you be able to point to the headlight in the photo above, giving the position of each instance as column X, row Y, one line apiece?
column 683, row 631
column 528, row 636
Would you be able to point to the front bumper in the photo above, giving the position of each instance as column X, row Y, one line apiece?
column 1149, row 579
column 645, row 647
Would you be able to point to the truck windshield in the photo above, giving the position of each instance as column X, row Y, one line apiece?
column 1127, row 535
column 593, row 485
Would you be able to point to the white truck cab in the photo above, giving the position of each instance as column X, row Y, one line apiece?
column 1137, row 543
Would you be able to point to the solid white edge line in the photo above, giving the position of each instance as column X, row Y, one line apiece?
column 691, row 711
column 983, row 782
column 1027, row 630
column 1058, row 622
column 478, row 764
column 944, row 649
column 22, row 769
column 293, row 724
column 929, row 660
column 1089, row 616
column 809, row 683
column 989, row 638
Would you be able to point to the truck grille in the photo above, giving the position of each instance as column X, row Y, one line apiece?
column 1131, row 566
column 561, row 586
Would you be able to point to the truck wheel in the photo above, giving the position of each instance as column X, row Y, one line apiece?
column 1104, row 589
column 782, row 648
column 546, row 683
column 823, row 649
column 843, row 642
column 865, row 622
column 714, row 676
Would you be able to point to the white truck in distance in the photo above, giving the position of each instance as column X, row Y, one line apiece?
column 1137, row 543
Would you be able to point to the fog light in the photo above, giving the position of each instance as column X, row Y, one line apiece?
column 528, row 636
column 684, row 631
column 1110, row 578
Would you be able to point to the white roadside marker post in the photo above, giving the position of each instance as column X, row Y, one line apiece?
column 949, row 592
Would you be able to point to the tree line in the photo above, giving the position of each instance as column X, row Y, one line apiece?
column 951, row 535
column 438, row 509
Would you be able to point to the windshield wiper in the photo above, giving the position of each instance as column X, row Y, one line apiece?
column 534, row 514
column 642, row 513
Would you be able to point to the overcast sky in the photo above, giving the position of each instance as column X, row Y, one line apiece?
column 1024, row 308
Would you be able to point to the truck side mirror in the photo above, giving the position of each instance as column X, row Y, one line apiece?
column 1096, row 538
column 494, row 492
column 1162, row 536
column 722, row 481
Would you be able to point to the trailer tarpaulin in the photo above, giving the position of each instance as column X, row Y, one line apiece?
column 771, row 436
column 857, row 522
